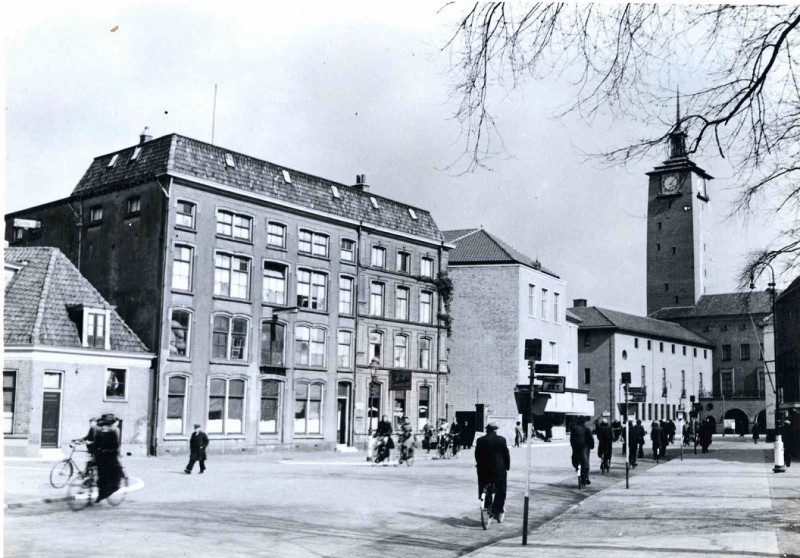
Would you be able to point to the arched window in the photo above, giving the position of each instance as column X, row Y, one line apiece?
column 401, row 351
column 425, row 353
column 177, row 387
column 180, row 333
column 229, row 338
column 270, row 418
column 376, row 347
column 272, row 343
column 308, row 408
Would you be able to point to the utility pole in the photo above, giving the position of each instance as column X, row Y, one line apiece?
column 533, row 352
column 626, row 380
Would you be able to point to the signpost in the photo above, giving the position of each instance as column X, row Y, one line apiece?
column 626, row 380
column 533, row 352
column 553, row 384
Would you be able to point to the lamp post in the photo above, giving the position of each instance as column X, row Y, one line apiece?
column 779, row 466
column 373, row 370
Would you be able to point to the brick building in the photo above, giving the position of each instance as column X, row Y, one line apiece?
column 67, row 357
column 669, row 362
column 272, row 297
column 787, row 348
column 501, row 298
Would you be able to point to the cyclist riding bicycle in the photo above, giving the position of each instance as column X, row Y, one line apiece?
column 605, row 437
column 406, row 440
column 106, row 446
column 383, row 435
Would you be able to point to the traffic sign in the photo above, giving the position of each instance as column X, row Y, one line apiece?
column 546, row 368
column 533, row 349
column 637, row 394
column 552, row 384
column 399, row 380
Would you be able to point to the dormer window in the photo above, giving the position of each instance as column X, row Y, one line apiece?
column 412, row 213
column 113, row 160
column 136, row 152
column 287, row 178
column 229, row 162
column 335, row 191
column 94, row 326
column 374, row 202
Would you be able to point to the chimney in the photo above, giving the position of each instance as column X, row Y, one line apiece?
column 361, row 183
column 145, row 135
column 579, row 303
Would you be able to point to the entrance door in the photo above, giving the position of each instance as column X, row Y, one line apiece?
column 51, row 411
column 343, row 414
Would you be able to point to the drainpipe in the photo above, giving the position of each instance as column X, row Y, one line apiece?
column 355, row 340
column 611, row 383
column 439, row 341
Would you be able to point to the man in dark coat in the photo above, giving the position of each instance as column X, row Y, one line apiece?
column 706, row 431
column 605, row 438
column 384, row 430
column 582, row 443
column 493, row 461
column 656, row 436
column 635, row 441
column 198, row 442
column 106, row 451
column 455, row 432
column 788, row 438
column 664, row 438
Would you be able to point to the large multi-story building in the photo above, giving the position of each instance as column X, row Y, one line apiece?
column 67, row 357
column 286, row 310
column 678, row 264
column 502, row 297
column 787, row 349
column 668, row 363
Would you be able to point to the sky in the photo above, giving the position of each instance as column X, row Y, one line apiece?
column 336, row 91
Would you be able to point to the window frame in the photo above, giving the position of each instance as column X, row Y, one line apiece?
column 226, row 406
column 350, row 306
column 179, row 215
column 422, row 365
column 188, row 262
column 531, row 300
column 298, row 360
column 308, row 384
column 423, row 263
column 233, row 257
column 234, row 215
column 282, row 236
column 744, row 351
column 422, row 296
column 188, row 339
column 125, row 376
column 404, row 351
column 313, row 243
column 274, row 264
column 343, row 251
column 229, row 344
column 89, row 313
column 397, row 303
column 544, row 305
column 312, row 285
column 378, row 257
column 349, row 345
column 556, row 309
column 184, row 408
column 726, row 351
column 376, row 298
column 130, row 210
column 281, row 383
column 403, row 262
column 95, row 214
column 9, row 416
column 274, row 324
column 370, row 346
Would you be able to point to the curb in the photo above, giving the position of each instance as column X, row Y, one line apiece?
column 135, row 485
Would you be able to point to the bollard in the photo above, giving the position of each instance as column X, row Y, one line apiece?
column 780, row 466
column 370, row 446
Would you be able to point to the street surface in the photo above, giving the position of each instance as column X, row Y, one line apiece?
column 337, row 505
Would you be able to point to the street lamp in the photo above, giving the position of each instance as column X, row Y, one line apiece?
column 373, row 370
column 779, row 466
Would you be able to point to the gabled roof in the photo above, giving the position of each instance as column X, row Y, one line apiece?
column 38, row 297
column 476, row 246
column 602, row 318
column 572, row 317
column 793, row 286
column 717, row 305
column 178, row 154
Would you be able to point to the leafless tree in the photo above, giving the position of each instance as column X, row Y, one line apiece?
column 745, row 103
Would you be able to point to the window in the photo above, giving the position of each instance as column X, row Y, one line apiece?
column 635, row 342
column 658, row 246
column 113, row 160
column 180, row 325
column 233, row 225
column 229, row 338
column 423, row 409
column 426, row 267
column 666, row 287
column 587, row 375
column 673, row 348
column 425, row 307
column 286, row 176
column 726, row 381
column 400, row 351
column 694, row 352
column 587, row 339
column 312, row 243
column 684, row 350
column 544, row 304
column 375, row 347
column 276, row 235
column 229, row 162
column 744, row 351
column 348, row 250
column 335, row 192
column 182, row 267
column 312, row 289
column 134, row 205
column 532, row 301
column 9, row 400
column 701, row 381
column 412, row 213
column 553, row 352
column 644, row 376
column 401, row 304
column 374, row 402
column 273, row 337
column 649, row 345
column 115, row 384
column 378, row 257
column 176, row 404
column 274, row 284
column 344, row 349
column 673, row 250
column 760, row 380
column 404, row 262
column 664, row 380
column 231, row 275
column 309, row 346
column 226, row 406
column 425, row 353
column 661, row 346
column 18, row 233
column 376, row 299
column 726, row 352
column 270, row 406
column 373, row 201
column 95, row 214
column 345, row 295
column 136, row 152
column 705, row 353
column 308, row 408
column 95, row 330
column 555, row 307
column 184, row 217
column 659, row 225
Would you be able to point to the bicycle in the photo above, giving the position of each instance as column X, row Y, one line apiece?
column 581, row 483
column 445, row 448
column 407, row 452
column 83, row 490
column 62, row 472
column 605, row 464
column 486, row 513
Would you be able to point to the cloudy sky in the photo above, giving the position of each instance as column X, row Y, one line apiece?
column 335, row 92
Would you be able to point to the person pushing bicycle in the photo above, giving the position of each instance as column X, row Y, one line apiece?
column 106, row 447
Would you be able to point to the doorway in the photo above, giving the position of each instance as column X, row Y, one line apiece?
column 343, row 414
column 51, row 409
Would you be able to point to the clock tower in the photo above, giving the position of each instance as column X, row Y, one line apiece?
column 678, row 216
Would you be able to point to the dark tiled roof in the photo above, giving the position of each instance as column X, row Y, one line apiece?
column 602, row 318
column 478, row 246
column 37, row 298
column 571, row 316
column 793, row 286
column 179, row 154
column 727, row 304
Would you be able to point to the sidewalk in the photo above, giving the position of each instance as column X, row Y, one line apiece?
column 725, row 503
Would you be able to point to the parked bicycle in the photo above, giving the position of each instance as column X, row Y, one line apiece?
column 62, row 471
column 83, row 489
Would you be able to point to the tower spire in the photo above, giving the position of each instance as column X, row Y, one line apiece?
column 678, row 109
column 677, row 138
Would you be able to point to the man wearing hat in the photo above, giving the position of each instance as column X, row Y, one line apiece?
column 197, row 449
column 493, row 460
column 106, row 448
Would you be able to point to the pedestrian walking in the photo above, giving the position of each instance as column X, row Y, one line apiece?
column 493, row 462
column 427, row 434
column 517, row 434
column 636, row 442
column 706, row 432
column 789, row 442
column 455, row 434
column 664, row 438
column 656, row 435
column 605, row 438
column 106, row 450
column 755, row 433
column 198, row 442
column 582, row 442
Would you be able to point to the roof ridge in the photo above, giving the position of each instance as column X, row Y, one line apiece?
column 500, row 245
column 37, row 323
column 600, row 311
column 471, row 232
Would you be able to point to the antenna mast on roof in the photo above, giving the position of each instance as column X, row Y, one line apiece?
column 214, row 115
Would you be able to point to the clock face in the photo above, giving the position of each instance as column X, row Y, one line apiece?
column 669, row 183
